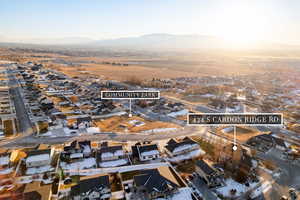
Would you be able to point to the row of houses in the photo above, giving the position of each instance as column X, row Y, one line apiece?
column 79, row 155
column 156, row 183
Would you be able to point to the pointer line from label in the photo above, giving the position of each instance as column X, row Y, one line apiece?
column 130, row 115
column 234, row 139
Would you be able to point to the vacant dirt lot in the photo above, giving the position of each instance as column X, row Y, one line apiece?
column 133, row 124
column 242, row 133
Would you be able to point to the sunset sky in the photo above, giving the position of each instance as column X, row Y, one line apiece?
column 237, row 21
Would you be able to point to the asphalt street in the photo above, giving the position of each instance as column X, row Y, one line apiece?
column 25, row 125
column 32, row 140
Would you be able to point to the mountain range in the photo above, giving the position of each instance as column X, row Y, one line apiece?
column 150, row 41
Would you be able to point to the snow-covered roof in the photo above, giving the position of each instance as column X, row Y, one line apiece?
column 36, row 158
column 187, row 156
column 83, row 164
column 112, row 154
column 184, row 147
column 178, row 113
column 185, row 144
column 113, row 163
column 6, row 171
column 149, row 153
column 39, row 170
column 112, row 151
column 76, row 155
column 4, row 160
column 86, row 149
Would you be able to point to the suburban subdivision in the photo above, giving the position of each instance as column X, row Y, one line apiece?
column 61, row 140
column 150, row 100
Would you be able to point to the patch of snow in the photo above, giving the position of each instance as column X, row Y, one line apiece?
column 231, row 184
column 254, row 163
column 277, row 174
column 133, row 121
column 4, row 160
column 183, row 193
column 6, row 171
column 86, row 149
column 110, row 115
column 178, row 113
column 47, row 181
column 68, row 131
column 266, row 170
column 47, row 134
column 112, row 154
column 136, row 123
column 262, row 189
column 158, row 130
column 227, row 129
column 185, row 147
column 25, row 180
column 295, row 92
column 113, row 163
column 187, row 156
column 287, row 144
column 83, row 164
column 76, row 155
column 35, row 158
column 149, row 153
column 39, row 170
column 93, row 129
column 207, row 95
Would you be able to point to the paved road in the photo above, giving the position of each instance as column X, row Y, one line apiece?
column 25, row 125
column 32, row 140
column 21, row 112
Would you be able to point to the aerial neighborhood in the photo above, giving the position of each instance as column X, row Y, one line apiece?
column 66, row 142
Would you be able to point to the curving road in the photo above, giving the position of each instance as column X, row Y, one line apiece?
column 32, row 140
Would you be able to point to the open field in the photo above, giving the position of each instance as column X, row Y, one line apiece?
column 120, row 73
column 242, row 133
column 133, row 124
column 148, row 65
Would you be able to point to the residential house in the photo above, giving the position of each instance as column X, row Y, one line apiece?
column 152, row 185
column 86, row 148
column 185, row 149
column 84, row 122
column 92, row 189
column 78, row 150
column 38, row 158
column 148, row 152
column 77, row 156
column 262, row 142
column 111, row 156
column 38, row 161
column 5, row 164
column 280, row 144
column 211, row 175
column 247, row 165
column 36, row 190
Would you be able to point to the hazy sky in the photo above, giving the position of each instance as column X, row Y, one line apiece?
column 275, row 20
